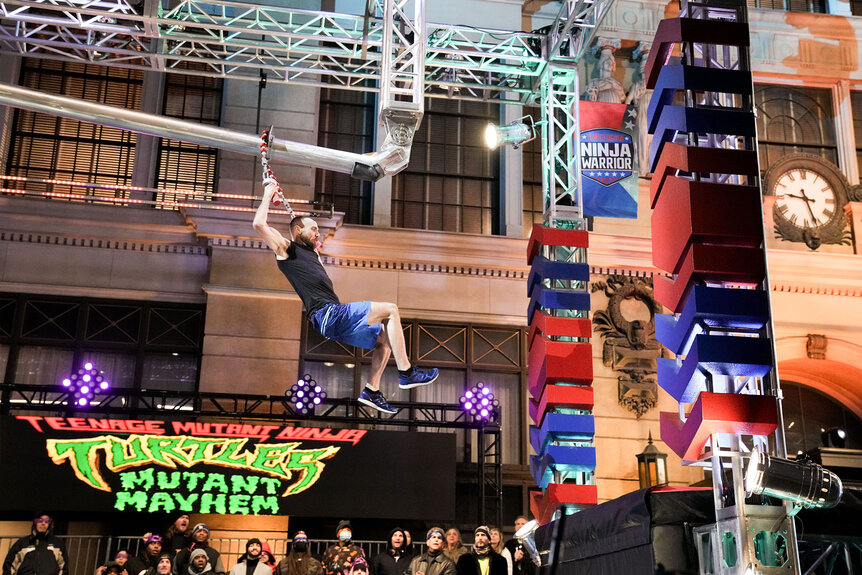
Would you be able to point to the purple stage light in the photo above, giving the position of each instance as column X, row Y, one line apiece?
column 304, row 395
column 479, row 402
column 84, row 384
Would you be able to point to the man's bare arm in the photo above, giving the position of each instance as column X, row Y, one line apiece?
column 277, row 242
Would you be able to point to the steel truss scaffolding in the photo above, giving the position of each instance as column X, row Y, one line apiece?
column 239, row 40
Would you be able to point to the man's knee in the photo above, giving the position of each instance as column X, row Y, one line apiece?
column 386, row 308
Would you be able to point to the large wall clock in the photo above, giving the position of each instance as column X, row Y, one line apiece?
column 810, row 194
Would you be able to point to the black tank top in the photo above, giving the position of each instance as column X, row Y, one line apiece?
column 303, row 270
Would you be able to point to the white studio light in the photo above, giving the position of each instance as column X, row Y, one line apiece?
column 524, row 535
column 803, row 483
column 518, row 132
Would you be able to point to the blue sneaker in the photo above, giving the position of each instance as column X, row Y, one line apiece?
column 417, row 377
column 376, row 400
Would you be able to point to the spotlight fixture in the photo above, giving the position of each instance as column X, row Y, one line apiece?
column 804, row 483
column 524, row 535
column 516, row 133
column 85, row 384
column 479, row 402
column 304, row 395
column 833, row 437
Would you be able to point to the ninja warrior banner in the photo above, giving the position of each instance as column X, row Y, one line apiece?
column 69, row 464
column 609, row 167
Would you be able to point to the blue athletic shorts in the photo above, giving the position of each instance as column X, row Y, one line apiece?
column 347, row 323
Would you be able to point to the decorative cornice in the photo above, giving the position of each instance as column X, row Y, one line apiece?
column 416, row 266
column 100, row 243
column 233, row 242
column 815, row 290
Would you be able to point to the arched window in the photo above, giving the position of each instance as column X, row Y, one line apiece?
column 794, row 120
column 808, row 412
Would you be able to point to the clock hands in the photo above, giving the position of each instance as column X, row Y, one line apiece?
column 808, row 205
column 802, row 197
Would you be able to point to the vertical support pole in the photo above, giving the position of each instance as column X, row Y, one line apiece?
column 560, row 157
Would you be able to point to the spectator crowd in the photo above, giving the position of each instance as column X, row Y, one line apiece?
column 185, row 550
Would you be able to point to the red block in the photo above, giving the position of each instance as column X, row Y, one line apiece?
column 703, row 212
column 555, row 396
column 676, row 30
column 544, row 505
column 708, row 263
column 718, row 413
column 700, row 160
column 545, row 236
column 559, row 362
column 550, row 325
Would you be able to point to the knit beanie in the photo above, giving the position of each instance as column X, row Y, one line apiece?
column 198, row 552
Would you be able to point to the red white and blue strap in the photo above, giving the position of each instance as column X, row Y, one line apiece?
column 268, row 175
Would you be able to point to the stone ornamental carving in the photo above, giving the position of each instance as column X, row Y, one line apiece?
column 816, row 345
column 605, row 87
column 627, row 327
column 639, row 97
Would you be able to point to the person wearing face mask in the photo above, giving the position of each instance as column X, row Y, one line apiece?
column 433, row 561
column 483, row 560
column 299, row 561
column 396, row 559
column 253, row 561
column 342, row 554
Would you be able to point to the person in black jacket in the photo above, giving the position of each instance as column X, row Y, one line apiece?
column 433, row 561
column 147, row 557
column 200, row 540
column 40, row 553
column 396, row 559
column 471, row 563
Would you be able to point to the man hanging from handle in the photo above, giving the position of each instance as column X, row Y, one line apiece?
column 367, row 324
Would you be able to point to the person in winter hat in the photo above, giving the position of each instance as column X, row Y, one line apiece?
column 200, row 540
column 342, row 554
column 40, row 553
column 252, row 562
column 299, row 561
column 396, row 560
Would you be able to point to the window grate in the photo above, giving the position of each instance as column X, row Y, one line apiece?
column 183, row 166
column 792, row 119
column 452, row 182
column 346, row 122
column 50, row 147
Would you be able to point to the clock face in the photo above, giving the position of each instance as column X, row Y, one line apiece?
column 810, row 194
column 804, row 198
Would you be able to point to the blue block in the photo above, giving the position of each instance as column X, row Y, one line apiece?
column 547, row 298
column 563, row 459
column 712, row 307
column 562, row 427
column 674, row 119
column 716, row 355
column 543, row 269
column 675, row 77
